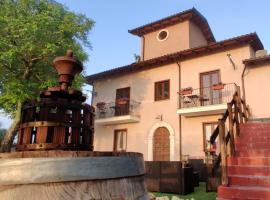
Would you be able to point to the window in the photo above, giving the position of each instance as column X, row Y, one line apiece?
column 208, row 79
column 162, row 90
column 120, row 140
column 208, row 129
column 162, row 35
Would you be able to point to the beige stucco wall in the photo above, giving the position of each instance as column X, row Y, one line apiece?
column 192, row 131
column 177, row 40
column 192, row 68
column 257, row 81
column 192, row 135
column 142, row 90
column 182, row 36
column 196, row 37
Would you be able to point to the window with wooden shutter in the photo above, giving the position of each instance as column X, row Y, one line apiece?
column 162, row 90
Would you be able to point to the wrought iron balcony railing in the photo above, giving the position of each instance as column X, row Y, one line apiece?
column 120, row 107
column 216, row 94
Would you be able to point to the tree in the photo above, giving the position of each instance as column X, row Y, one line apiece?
column 32, row 33
column 2, row 132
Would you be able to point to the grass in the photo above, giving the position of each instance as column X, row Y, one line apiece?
column 199, row 194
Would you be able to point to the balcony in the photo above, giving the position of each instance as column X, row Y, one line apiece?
column 120, row 112
column 205, row 101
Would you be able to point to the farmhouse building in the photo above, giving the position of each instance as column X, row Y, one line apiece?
column 167, row 104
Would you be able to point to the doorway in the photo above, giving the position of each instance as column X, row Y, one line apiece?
column 161, row 145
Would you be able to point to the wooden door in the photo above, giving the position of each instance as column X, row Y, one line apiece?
column 122, row 101
column 210, row 96
column 161, row 146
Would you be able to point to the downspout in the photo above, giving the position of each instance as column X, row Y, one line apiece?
column 179, row 106
column 243, row 82
column 92, row 95
column 143, row 47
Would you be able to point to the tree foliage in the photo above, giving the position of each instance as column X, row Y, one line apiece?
column 32, row 33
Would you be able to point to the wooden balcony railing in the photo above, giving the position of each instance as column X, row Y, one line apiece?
column 236, row 113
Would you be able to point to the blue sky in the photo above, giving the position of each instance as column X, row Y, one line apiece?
column 113, row 46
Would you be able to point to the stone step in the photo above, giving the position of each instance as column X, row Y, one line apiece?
column 253, row 153
column 253, row 145
column 254, row 124
column 254, row 161
column 244, row 135
column 241, row 180
column 249, row 170
column 244, row 192
column 243, row 140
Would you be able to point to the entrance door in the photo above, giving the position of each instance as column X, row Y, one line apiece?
column 161, row 146
column 122, row 101
column 210, row 96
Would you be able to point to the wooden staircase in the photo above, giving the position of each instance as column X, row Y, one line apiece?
column 249, row 169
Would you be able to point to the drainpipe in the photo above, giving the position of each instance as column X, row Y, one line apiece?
column 92, row 95
column 180, row 117
column 143, row 47
column 243, row 82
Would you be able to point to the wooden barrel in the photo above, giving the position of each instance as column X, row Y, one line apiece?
column 72, row 175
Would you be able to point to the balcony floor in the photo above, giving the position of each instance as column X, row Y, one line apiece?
column 117, row 120
column 202, row 110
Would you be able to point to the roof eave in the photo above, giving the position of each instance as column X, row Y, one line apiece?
column 251, row 39
column 190, row 14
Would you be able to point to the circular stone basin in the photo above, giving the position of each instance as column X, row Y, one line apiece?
column 72, row 175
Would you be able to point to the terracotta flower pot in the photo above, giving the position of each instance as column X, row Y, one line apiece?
column 218, row 86
column 122, row 102
column 101, row 105
column 186, row 91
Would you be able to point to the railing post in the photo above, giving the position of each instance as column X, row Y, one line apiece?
column 245, row 110
column 236, row 115
column 223, row 152
column 231, row 132
column 239, row 104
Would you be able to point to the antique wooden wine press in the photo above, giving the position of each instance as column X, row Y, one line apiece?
column 60, row 119
column 54, row 157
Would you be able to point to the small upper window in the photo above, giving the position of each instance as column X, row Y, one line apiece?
column 162, row 90
column 162, row 35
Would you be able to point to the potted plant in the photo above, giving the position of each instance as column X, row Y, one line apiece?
column 101, row 105
column 186, row 91
column 218, row 86
column 122, row 101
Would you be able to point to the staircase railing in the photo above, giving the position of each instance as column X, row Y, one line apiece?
column 237, row 112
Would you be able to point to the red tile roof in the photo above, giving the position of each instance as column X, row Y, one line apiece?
column 191, row 14
column 251, row 39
